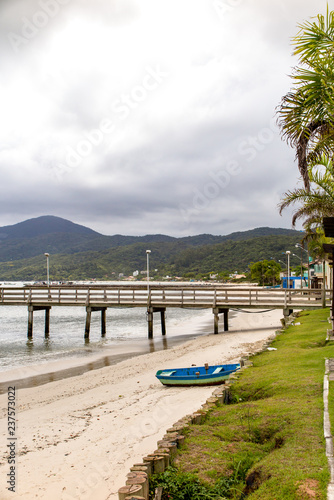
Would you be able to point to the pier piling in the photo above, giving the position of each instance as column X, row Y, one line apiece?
column 150, row 322
column 216, row 311
column 163, row 321
column 31, row 310
column 30, row 321
column 287, row 312
column 89, row 310
column 150, row 312
column 47, row 322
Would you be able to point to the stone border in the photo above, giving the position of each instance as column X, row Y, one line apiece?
column 159, row 460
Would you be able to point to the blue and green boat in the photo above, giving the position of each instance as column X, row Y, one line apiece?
column 197, row 375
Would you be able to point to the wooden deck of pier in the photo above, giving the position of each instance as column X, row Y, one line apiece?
column 157, row 298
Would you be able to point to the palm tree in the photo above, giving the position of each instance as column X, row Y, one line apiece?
column 317, row 200
column 306, row 113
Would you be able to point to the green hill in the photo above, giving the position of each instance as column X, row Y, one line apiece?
column 55, row 235
column 77, row 252
column 174, row 258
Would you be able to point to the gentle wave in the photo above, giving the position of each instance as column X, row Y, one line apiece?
column 67, row 324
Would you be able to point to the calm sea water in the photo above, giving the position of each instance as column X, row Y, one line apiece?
column 67, row 326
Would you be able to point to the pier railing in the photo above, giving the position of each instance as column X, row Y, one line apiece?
column 201, row 296
column 156, row 298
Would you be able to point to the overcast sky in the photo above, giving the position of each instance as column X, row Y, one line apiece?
column 147, row 116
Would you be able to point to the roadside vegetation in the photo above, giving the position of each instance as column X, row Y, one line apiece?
column 268, row 442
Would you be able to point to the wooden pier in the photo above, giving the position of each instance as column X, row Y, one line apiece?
column 156, row 299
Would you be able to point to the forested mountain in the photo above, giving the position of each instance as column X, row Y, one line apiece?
column 55, row 235
column 46, row 224
column 77, row 252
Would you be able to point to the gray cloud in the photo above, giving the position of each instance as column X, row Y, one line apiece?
column 139, row 117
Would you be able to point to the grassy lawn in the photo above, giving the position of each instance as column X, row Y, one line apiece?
column 268, row 442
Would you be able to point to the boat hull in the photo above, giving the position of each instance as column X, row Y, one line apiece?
column 196, row 376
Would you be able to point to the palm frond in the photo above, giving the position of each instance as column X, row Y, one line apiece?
column 306, row 113
column 315, row 37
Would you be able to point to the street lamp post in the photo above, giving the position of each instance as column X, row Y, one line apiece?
column 148, row 270
column 301, row 264
column 298, row 245
column 301, row 268
column 47, row 268
column 284, row 264
column 288, row 267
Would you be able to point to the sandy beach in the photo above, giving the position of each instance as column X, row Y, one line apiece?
column 77, row 437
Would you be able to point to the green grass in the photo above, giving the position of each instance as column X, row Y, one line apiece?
column 273, row 429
